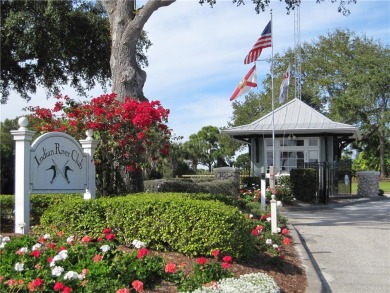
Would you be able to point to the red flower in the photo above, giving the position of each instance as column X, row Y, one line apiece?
column 86, row 239
column 67, row 290
column 99, row 239
column 110, row 237
column 201, row 260
column 225, row 265
column 123, row 290
column 38, row 282
column 142, row 252
column 58, row 286
column 61, row 233
column 62, row 248
column 263, row 218
column 106, row 231
column 51, row 245
column 227, row 258
column 141, row 135
column 35, row 253
column 97, row 258
column 31, row 287
column 255, row 232
column 215, row 252
column 138, row 286
column 58, row 106
column 170, row 268
column 49, row 259
column 285, row 231
column 286, row 241
column 130, row 168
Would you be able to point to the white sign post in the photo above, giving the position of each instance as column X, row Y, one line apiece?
column 54, row 163
column 89, row 147
column 23, row 138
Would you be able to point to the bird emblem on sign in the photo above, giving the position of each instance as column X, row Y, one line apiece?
column 56, row 170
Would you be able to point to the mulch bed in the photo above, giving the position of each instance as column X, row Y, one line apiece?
column 288, row 274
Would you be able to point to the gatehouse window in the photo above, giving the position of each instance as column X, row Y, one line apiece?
column 289, row 153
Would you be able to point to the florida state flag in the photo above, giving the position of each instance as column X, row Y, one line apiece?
column 249, row 81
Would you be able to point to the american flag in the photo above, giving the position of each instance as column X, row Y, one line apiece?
column 264, row 41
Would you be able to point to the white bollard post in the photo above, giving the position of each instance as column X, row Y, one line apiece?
column 274, row 220
column 23, row 138
column 263, row 196
column 89, row 146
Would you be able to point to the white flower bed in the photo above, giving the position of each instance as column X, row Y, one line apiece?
column 250, row 283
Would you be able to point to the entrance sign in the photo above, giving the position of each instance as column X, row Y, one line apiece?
column 54, row 163
column 58, row 164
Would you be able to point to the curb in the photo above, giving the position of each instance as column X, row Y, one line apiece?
column 314, row 283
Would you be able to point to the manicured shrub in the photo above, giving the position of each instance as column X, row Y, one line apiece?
column 7, row 206
column 39, row 204
column 304, row 183
column 163, row 221
column 190, row 185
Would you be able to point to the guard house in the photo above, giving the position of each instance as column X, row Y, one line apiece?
column 302, row 135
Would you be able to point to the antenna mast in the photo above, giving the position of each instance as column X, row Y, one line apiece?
column 297, row 44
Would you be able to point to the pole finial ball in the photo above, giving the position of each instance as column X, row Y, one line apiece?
column 23, row 122
column 89, row 134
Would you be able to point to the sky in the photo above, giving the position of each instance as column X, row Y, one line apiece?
column 198, row 52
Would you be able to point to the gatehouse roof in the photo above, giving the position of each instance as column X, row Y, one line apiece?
column 297, row 118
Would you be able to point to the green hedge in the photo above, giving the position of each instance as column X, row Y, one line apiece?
column 7, row 206
column 189, row 185
column 39, row 203
column 170, row 222
column 304, row 183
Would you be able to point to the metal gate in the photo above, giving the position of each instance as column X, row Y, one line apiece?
column 334, row 179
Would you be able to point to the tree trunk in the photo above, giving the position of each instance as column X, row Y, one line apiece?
column 128, row 79
column 126, row 24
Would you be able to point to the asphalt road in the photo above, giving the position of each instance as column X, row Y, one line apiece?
column 349, row 244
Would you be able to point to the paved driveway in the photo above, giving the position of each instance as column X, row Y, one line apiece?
column 349, row 244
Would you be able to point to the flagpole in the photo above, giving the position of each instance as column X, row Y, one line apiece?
column 272, row 178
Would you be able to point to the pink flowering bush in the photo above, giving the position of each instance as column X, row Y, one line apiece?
column 132, row 133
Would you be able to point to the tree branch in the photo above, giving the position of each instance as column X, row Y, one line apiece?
column 147, row 10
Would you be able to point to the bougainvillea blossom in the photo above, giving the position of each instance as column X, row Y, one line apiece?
column 131, row 133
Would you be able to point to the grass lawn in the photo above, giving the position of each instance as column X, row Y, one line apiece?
column 385, row 186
